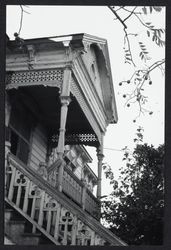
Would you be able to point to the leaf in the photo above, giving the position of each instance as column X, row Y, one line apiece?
column 162, row 30
column 144, row 9
column 139, row 79
column 141, row 56
column 129, row 55
column 148, row 33
column 159, row 34
column 128, row 62
column 157, row 8
column 151, row 9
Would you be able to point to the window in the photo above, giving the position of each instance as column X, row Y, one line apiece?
column 19, row 132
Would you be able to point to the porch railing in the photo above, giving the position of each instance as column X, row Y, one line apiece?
column 75, row 188
column 72, row 186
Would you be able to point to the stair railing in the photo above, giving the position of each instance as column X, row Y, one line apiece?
column 31, row 201
column 47, row 209
column 36, row 204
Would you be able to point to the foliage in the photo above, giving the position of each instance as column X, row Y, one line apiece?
column 134, row 210
column 142, row 74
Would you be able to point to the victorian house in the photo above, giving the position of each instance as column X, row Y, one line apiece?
column 59, row 98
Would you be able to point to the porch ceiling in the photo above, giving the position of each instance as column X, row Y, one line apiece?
column 44, row 102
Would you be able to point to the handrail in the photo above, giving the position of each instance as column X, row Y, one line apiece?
column 73, row 176
column 93, row 197
column 77, row 190
column 22, row 176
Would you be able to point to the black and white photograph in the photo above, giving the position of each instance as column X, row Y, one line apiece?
column 84, row 125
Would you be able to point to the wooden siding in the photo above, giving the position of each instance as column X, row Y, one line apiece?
column 38, row 147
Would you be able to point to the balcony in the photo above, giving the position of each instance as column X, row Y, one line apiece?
column 76, row 190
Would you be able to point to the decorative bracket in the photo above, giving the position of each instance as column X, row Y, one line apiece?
column 31, row 55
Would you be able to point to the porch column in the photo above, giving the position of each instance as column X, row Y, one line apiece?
column 7, row 110
column 65, row 100
column 100, row 157
column 7, row 152
column 7, row 116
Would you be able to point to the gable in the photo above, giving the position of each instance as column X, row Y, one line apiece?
column 96, row 61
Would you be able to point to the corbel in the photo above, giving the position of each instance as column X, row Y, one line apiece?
column 31, row 55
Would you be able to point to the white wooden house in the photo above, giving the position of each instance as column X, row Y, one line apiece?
column 59, row 97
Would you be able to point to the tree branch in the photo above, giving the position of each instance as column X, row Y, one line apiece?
column 132, row 12
column 21, row 19
column 118, row 17
column 136, row 94
column 123, row 7
column 129, row 47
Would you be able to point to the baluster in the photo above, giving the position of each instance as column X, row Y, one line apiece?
column 7, row 151
column 92, row 238
column 18, row 195
column 73, row 184
column 33, row 207
column 84, row 195
column 68, row 183
column 11, row 189
column 80, row 194
column 65, row 183
column 77, row 192
column 74, row 232
column 57, row 222
column 49, row 216
column 74, row 189
column 25, row 205
column 71, row 187
column 40, row 220
column 33, row 213
column 67, row 220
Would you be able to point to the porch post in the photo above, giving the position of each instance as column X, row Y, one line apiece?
column 7, row 109
column 100, row 157
column 65, row 100
column 7, row 139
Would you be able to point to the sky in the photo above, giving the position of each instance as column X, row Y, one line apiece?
column 45, row 21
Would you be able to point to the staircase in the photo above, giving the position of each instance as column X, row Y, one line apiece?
column 37, row 213
column 19, row 231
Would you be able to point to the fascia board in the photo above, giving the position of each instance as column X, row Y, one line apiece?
column 100, row 121
column 92, row 87
column 111, row 82
column 80, row 66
